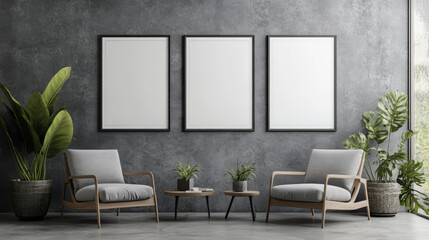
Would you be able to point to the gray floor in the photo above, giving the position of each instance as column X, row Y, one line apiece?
column 197, row 226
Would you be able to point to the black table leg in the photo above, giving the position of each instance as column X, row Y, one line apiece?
column 229, row 208
column 208, row 207
column 251, row 207
column 175, row 208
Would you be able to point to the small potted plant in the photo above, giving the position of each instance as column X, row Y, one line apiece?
column 186, row 175
column 240, row 175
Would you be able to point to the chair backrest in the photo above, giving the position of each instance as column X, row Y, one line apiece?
column 334, row 161
column 104, row 164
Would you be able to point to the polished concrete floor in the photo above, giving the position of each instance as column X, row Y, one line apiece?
column 404, row 226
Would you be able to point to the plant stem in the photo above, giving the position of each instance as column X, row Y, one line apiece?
column 388, row 151
column 388, row 142
column 370, row 169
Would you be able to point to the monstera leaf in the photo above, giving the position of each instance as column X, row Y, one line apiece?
column 393, row 109
column 59, row 134
column 357, row 142
column 404, row 138
column 375, row 127
column 410, row 173
column 54, row 86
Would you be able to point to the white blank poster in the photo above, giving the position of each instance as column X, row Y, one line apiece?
column 135, row 83
column 219, row 83
column 301, row 83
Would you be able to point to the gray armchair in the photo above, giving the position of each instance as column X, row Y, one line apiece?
column 95, row 181
column 332, row 181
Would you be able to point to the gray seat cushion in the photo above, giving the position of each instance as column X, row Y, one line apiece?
column 333, row 161
column 309, row 192
column 104, row 164
column 114, row 192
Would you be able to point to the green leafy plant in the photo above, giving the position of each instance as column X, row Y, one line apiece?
column 392, row 113
column 42, row 131
column 410, row 173
column 242, row 172
column 186, row 171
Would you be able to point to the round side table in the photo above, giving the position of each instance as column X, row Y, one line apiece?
column 178, row 194
column 249, row 194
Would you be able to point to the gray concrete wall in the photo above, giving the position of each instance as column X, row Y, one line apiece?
column 39, row 37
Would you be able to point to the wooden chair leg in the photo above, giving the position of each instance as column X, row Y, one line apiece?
column 367, row 202
column 117, row 211
column 268, row 209
column 368, row 212
column 323, row 216
column 156, row 210
column 98, row 217
column 312, row 212
column 97, row 207
column 64, row 198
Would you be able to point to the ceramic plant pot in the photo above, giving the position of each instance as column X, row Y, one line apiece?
column 183, row 185
column 239, row 186
column 30, row 199
column 383, row 198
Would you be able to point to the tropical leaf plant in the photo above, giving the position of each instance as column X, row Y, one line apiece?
column 411, row 173
column 186, row 171
column 242, row 172
column 361, row 141
column 374, row 126
column 42, row 131
column 392, row 114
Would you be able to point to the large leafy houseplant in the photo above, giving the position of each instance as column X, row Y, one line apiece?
column 379, row 130
column 41, row 130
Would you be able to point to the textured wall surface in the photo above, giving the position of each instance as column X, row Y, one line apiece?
column 37, row 38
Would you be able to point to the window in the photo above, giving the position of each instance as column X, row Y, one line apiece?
column 419, row 88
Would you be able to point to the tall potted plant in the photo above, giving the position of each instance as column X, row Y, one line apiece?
column 186, row 174
column 240, row 175
column 41, row 132
column 391, row 175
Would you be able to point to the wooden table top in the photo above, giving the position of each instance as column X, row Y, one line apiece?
column 241, row 194
column 185, row 194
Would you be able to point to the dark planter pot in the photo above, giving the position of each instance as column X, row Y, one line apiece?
column 383, row 198
column 30, row 199
column 183, row 185
column 239, row 186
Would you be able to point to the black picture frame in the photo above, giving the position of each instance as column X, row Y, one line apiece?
column 268, row 128
column 100, row 86
column 184, row 82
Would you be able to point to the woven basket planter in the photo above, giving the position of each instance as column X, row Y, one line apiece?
column 383, row 198
column 30, row 199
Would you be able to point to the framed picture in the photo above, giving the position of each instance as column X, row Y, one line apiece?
column 218, row 83
column 134, row 83
column 301, row 83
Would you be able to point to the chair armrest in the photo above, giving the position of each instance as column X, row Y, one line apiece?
column 288, row 173
column 69, row 178
column 82, row 176
column 340, row 176
column 275, row 173
column 152, row 179
column 138, row 173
